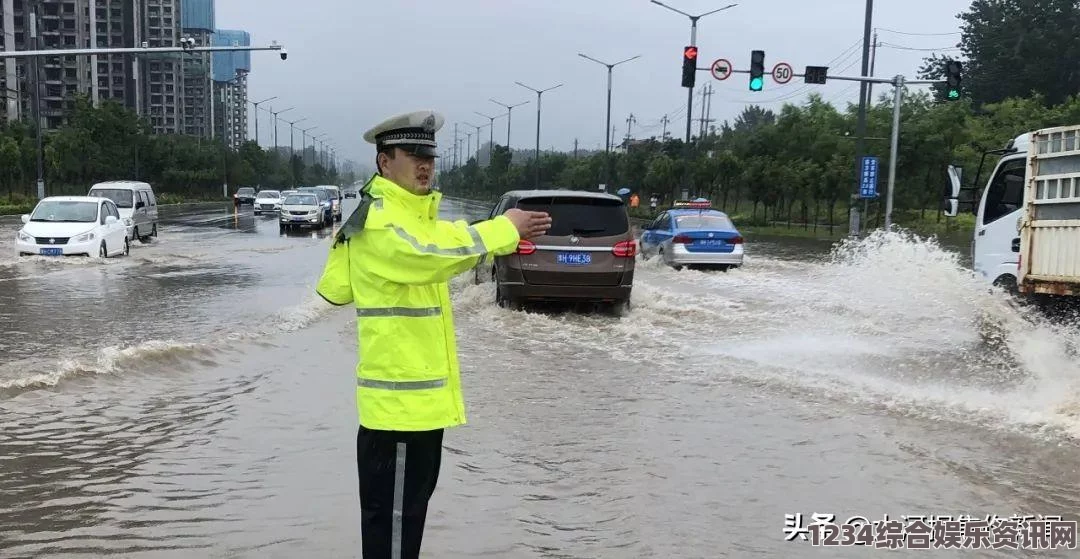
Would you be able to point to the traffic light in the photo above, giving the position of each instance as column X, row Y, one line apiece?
column 689, row 66
column 952, row 80
column 757, row 70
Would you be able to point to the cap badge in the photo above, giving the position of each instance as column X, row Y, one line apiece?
column 429, row 124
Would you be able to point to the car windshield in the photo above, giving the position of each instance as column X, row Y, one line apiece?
column 301, row 200
column 246, row 191
column 121, row 196
column 269, row 194
column 580, row 215
column 703, row 222
column 66, row 212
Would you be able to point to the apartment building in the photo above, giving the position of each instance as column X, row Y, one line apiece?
column 197, row 22
column 178, row 93
column 230, row 70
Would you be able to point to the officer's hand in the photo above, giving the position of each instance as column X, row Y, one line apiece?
column 529, row 224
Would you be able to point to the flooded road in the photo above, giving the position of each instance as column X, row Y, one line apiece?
column 196, row 399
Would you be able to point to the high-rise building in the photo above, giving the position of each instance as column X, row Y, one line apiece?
column 230, row 70
column 197, row 22
column 161, row 75
column 177, row 93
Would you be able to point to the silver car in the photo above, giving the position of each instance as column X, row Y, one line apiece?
column 303, row 209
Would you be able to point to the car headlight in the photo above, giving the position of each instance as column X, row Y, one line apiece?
column 85, row 237
column 24, row 237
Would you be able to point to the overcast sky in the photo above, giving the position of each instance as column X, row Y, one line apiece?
column 353, row 63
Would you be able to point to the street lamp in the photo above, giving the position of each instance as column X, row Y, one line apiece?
column 539, row 92
column 275, row 125
column 693, row 42
column 303, row 143
column 491, row 132
column 607, row 127
column 257, row 103
column 477, row 139
column 509, row 109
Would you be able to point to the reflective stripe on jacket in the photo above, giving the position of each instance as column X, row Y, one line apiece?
column 394, row 267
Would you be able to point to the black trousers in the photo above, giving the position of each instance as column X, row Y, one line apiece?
column 398, row 473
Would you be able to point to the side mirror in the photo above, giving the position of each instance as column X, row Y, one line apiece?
column 26, row 218
column 952, row 195
column 1016, row 244
column 110, row 219
column 139, row 205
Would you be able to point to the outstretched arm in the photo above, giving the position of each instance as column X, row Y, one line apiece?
column 401, row 256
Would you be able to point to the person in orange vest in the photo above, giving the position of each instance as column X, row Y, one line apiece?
column 633, row 200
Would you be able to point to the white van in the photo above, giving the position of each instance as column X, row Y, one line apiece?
column 137, row 205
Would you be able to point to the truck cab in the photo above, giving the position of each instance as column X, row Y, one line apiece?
column 1027, row 228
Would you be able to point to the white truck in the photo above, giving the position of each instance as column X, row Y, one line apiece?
column 1027, row 229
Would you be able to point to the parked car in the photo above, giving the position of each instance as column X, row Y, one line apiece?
column 691, row 233
column 586, row 256
column 267, row 201
column 244, row 195
column 137, row 205
column 303, row 209
column 73, row 226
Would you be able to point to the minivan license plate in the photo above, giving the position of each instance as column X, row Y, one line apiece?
column 52, row 251
column 712, row 242
column 574, row 258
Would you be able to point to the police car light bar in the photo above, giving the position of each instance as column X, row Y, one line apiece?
column 696, row 204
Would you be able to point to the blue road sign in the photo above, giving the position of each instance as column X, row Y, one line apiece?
column 868, row 177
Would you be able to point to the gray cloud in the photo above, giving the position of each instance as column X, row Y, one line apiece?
column 354, row 62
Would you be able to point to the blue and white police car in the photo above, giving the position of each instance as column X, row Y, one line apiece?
column 692, row 233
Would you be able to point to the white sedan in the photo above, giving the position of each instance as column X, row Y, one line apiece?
column 268, row 201
column 73, row 226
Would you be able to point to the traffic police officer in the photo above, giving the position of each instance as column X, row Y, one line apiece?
column 392, row 259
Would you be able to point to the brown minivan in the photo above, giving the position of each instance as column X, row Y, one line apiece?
column 587, row 256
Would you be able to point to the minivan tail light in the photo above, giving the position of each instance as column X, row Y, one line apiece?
column 626, row 249
column 682, row 240
column 525, row 247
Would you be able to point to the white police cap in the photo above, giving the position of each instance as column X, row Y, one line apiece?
column 413, row 132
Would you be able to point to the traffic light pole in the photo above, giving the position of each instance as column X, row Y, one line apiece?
column 898, row 82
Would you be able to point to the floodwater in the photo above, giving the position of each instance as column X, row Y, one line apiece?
column 195, row 399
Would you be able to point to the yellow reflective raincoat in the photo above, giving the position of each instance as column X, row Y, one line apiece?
column 394, row 265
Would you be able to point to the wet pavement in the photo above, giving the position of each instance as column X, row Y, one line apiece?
column 195, row 399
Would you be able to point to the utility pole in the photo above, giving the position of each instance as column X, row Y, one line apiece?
column 665, row 121
column 39, row 129
column 701, row 130
column 869, row 103
column 860, row 126
column 629, row 120
column 708, row 110
column 455, row 145
column 575, row 148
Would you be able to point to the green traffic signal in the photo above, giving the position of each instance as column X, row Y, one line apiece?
column 755, row 84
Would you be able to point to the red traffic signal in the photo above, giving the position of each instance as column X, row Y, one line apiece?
column 689, row 66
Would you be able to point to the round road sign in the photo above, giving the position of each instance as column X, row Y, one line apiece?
column 721, row 69
column 782, row 73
